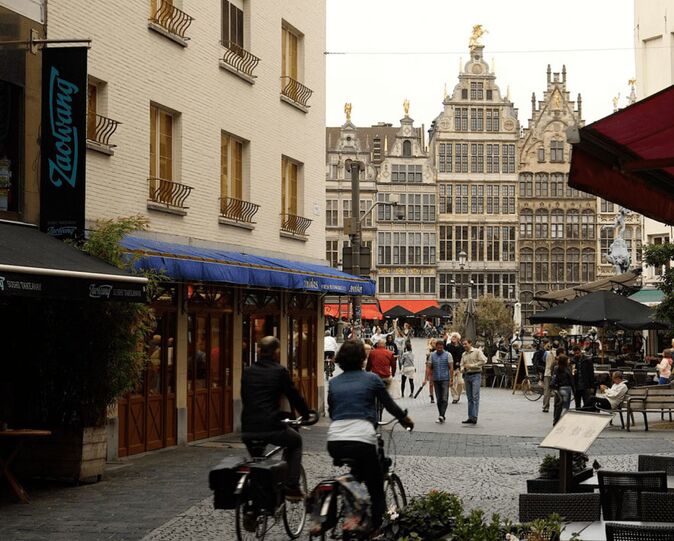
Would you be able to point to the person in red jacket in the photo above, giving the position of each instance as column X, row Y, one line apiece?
column 381, row 361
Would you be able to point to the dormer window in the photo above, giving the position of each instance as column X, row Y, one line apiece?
column 407, row 149
column 376, row 149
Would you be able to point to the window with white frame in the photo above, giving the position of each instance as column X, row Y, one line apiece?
column 331, row 213
column 332, row 252
column 445, row 157
column 384, row 284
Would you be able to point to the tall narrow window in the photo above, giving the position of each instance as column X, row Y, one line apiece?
column 289, row 189
column 232, row 23
column 231, row 167
column 161, row 143
column 407, row 149
column 92, row 108
column 289, row 58
column 556, row 151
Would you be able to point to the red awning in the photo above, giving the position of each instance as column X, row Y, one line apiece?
column 413, row 305
column 368, row 311
column 628, row 157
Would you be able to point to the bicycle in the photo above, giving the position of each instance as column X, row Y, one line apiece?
column 532, row 387
column 332, row 498
column 260, row 494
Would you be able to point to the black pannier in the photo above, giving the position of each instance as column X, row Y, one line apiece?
column 265, row 477
column 223, row 480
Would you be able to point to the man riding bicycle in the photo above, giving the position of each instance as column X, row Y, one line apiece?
column 262, row 385
column 329, row 349
column 351, row 405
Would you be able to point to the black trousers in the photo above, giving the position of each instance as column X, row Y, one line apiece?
column 287, row 438
column 369, row 472
column 585, row 395
column 595, row 402
column 403, row 379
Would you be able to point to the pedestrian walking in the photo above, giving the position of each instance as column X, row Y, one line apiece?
column 583, row 377
column 547, row 376
column 380, row 361
column 428, row 376
column 472, row 362
column 442, row 367
column 563, row 384
column 407, row 369
column 455, row 349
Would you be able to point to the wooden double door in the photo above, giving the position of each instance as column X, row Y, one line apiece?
column 209, row 374
column 147, row 415
column 302, row 361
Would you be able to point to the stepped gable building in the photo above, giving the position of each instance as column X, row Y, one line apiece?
column 406, row 239
column 473, row 149
column 557, row 224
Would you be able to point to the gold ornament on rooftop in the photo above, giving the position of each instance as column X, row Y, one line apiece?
column 478, row 32
column 347, row 111
column 406, row 107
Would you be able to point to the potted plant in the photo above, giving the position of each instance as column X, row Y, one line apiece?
column 77, row 359
column 548, row 480
column 426, row 518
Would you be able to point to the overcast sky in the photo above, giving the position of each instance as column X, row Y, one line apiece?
column 594, row 38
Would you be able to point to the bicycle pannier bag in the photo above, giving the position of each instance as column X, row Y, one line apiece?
column 223, row 479
column 265, row 477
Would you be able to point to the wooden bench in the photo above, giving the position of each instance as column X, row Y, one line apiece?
column 657, row 398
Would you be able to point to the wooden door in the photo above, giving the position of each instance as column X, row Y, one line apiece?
column 302, row 357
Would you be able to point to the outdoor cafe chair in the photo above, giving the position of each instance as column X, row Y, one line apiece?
column 499, row 376
column 642, row 377
column 657, row 506
column 571, row 507
column 656, row 463
column 509, row 374
column 635, row 532
column 620, row 492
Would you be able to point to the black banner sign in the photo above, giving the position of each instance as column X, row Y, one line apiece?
column 63, row 141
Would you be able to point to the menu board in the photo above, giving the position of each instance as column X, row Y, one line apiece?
column 576, row 431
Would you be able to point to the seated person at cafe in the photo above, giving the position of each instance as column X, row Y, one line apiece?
column 612, row 397
column 665, row 367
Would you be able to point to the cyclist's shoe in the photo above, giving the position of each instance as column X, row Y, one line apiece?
column 294, row 494
column 249, row 521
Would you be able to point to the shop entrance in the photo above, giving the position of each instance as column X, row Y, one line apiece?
column 302, row 336
column 261, row 317
column 209, row 363
column 147, row 415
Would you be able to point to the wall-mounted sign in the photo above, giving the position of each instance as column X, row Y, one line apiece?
column 63, row 141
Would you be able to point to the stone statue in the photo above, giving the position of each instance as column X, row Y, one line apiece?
column 347, row 111
column 618, row 253
column 406, row 107
column 478, row 32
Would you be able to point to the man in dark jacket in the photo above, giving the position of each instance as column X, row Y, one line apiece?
column 583, row 377
column 262, row 386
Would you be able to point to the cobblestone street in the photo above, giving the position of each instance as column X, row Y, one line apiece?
column 164, row 495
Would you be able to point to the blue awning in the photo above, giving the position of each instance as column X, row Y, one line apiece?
column 182, row 262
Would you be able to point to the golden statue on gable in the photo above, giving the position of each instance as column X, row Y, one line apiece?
column 557, row 101
column 347, row 111
column 478, row 32
column 406, row 107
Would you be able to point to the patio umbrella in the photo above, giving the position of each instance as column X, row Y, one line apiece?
column 398, row 311
column 470, row 331
column 432, row 311
column 600, row 308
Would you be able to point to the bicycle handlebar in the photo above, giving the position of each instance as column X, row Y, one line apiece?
column 301, row 421
column 392, row 421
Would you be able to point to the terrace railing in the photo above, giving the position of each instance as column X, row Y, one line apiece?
column 100, row 129
column 296, row 225
column 295, row 91
column 238, row 209
column 169, row 193
column 238, row 58
column 171, row 19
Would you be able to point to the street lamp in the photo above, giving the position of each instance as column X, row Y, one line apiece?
column 355, row 167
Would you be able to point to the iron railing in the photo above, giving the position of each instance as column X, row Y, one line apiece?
column 295, row 91
column 240, row 59
column 238, row 209
column 172, row 19
column 101, row 130
column 297, row 225
column 169, row 193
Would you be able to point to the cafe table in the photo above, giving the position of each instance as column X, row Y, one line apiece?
column 594, row 482
column 15, row 438
column 596, row 531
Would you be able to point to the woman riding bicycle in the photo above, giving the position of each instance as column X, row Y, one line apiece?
column 351, row 405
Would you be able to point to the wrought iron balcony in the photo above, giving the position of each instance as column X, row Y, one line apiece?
column 238, row 209
column 238, row 58
column 168, row 193
column 101, row 129
column 296, row 225
column 173, row 20
column 295, row 91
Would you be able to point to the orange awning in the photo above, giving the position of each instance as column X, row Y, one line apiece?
column 368, row 311
column 413, row 305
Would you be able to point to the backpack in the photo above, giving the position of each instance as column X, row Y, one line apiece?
column 539, row 360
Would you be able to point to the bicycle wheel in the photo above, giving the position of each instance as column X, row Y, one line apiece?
column 531, row 392
column 249, row 525
column 337, row 531
column 295, row 513
column 396, row 499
